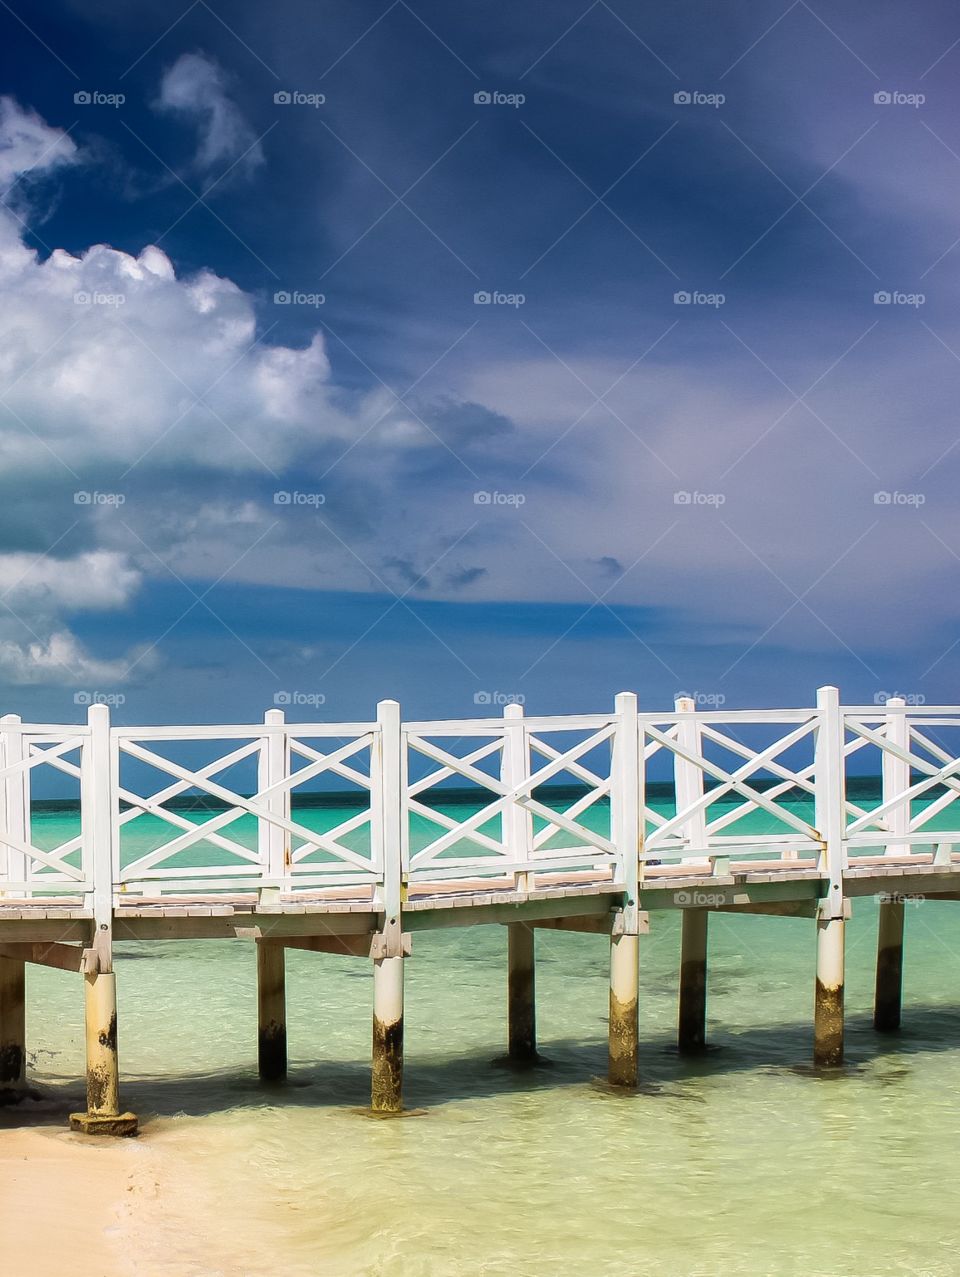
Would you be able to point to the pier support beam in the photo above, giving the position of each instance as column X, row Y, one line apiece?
column 521, row 993
column 828, row 1006
column 103, row 1116
column 692, row 1019
column 624, row 1042
column 886, row 1006
column 13, row 1038
column 386, row 1092
column 271, row 1011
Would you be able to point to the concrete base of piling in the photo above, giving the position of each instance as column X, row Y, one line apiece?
column 271, row 1011
column 13, row 1037
column 521, row 994
column 624, row 1034
column 692, row 1019
column 889, row 987
column 122, row 1124
column 386, row 1090
column 828, row 1004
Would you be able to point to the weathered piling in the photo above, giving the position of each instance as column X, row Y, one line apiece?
column 624, row 1031
column 521, row 993
column 103, row 1116
column 386, row 1092
column 888, row 993
column 692, row 1017
column 828, row 1003
column 13, row 1037
column 271, row 1011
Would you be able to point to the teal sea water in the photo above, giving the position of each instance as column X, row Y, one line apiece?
column 742, row 1162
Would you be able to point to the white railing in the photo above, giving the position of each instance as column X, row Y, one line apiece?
column 386, row 811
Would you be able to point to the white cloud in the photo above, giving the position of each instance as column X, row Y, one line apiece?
column 195, row 87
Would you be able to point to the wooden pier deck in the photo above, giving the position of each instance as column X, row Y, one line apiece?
column 766, row 814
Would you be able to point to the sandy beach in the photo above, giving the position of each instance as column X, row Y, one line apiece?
column 110, row 1208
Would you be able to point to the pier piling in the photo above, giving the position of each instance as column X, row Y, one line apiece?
column 103, row 1116
column 887, row 998
column 828, row 1007
column 13, row 1042
column 521, row 993
column 624, row 1033
column 271, row 1011
column 386, row 1092
column 692, row 1019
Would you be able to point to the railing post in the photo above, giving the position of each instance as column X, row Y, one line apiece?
column 830, row 818
column 625, row 817
column 514, row 770
column 888, row 992
column 273, row 842
column 97, row 815
column 388, row 780
column 15, row 802
column 688, row 777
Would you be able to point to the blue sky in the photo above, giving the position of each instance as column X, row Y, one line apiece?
column 262, row 433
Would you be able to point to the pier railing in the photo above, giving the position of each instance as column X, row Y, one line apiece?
column 388, row 810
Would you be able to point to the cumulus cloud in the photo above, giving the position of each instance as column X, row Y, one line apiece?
column 195, row 88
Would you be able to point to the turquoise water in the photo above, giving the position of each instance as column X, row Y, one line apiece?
column 742, row 1162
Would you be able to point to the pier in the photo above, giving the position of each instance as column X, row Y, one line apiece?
column 200, row 832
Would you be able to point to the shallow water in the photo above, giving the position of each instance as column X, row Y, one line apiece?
column 742, row 1162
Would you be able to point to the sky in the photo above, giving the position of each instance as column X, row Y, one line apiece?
column 461, row 354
